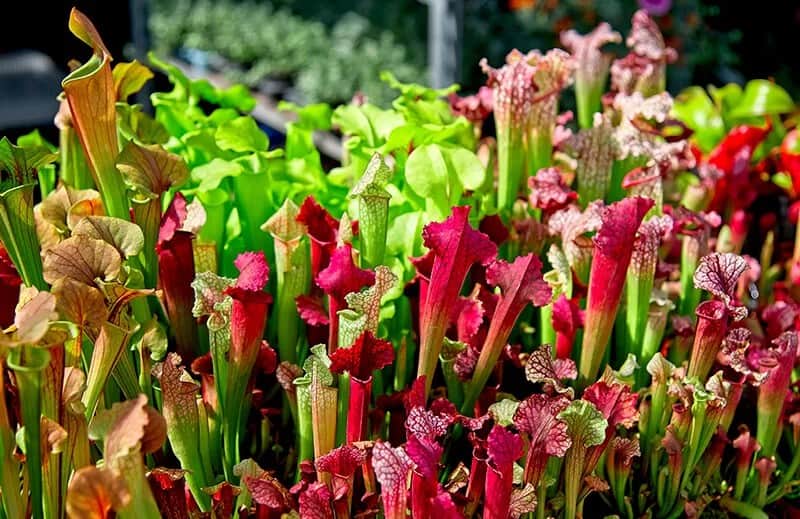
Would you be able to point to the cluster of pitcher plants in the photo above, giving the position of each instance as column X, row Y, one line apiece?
column 489, row 310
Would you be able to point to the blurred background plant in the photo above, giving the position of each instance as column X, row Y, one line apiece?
column 329, row 51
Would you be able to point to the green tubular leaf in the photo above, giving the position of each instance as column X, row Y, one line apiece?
column 365, row 307
column 28, row 362
column 108, row 348
column 18, row 234
column 74, row 171
column 373, row 211
column 130, row 429
column 92, row 101
column 11, row 503
column 447, row 358
column 586, row 427
column 179, row 393
column 585, row 423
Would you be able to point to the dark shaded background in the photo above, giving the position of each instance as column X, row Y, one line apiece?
column 43, row 26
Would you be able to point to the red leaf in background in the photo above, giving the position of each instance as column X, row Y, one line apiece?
column 494, row 227
column 549, row 192
column 780, row 316
column 732, row 158
column 312, row 310
column 476, row 108
column 9, row 289
column 790, row 158
column 740, row 143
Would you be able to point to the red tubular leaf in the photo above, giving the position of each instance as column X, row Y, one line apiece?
column 323, row 230
column 9, row 288
column 342, row 461
column 745, row 445
column 456, row 246
column 223, row 498
column 366, row 355
column 615, row 402
column 339, row 278
column 712, row 323
column 424, row 424
column 504, row 448
column 536, row 417
column 426, row 454
column 542, row 368
column 248, row 319
column 521, row 282
column 719, row 273
column 621, row 221
column 169, row 490
column 567, row 318
column 315, row 502
column 175, row 275
column 613, row 250
column 358, row 409
column 253, row 271
column 342, row 276
column 392, row 466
